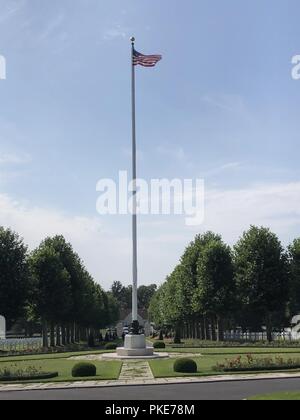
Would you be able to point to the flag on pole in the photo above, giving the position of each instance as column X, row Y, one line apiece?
column 145, row 60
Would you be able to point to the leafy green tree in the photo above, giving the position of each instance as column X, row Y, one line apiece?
column 122, row 294
column 188, row 283
column 112, row 309
column 294, row 266
column 261, row 276
column 14, row 276
column 214, row 295
column 174, row 303
column 145, row 294
column 53, row 294
column 74, row 327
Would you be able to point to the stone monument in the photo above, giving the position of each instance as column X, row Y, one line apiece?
column 2, row 328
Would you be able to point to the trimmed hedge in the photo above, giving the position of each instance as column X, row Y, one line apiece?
column 185, row 366
column 159, row 345
column 84, row 370
column 29, row 377
column 110, row 346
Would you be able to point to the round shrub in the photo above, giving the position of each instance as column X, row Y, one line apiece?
column 84, row 370
column 110, row 346
column 159, row 345
column 185, row 366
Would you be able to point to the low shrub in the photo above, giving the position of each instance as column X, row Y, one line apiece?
column 84, row 370
column 14, row 373
column 159, row 345
column 110, row 346
column 185, row 366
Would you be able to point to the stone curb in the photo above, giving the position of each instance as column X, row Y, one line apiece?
column 158, row 381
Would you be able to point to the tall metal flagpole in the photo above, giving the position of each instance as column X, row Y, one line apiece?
column 135, row 326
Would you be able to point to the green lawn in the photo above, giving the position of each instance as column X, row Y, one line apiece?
column 106, row 370
column 164, row 368
column 6, row 359
column 282, row 396
column 161, row 368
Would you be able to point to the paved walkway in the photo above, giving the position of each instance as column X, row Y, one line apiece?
column 135, row 382
column 132, row 371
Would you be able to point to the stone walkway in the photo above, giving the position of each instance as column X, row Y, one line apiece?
column 141, row 382
column 135, row 371
column 112, row 356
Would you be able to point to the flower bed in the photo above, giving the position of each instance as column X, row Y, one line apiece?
column 253, row 364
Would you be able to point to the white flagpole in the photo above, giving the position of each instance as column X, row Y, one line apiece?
column 134, row 202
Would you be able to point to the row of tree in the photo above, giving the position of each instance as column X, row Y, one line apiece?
column 123, row 295
column 51, row 286
column 254, row 285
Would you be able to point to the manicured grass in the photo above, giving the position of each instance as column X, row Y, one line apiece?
column 164, row 368
column 282, row 396
column 110, row 370
column 106, row 370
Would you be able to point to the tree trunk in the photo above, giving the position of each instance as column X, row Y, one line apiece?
column 194, row 330
column 198, row 332
column 52, row 335
column 83, row 334
column 77, row 335
column 45, row 334
column 63, row 335
column 269, row 328
column 68, row 335
column 58, row 338
column 213, row 329
column 206, row 329
column 220, row 329
column 73, row 333
column 202, row 329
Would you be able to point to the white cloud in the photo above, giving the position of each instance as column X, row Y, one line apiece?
column 99, row 249
column 227, row 102
column 107, row 252
column 230, row 212
column 176, row 153
column 52, row 26
column 13, row 158
column 115, row 32
column 10, row 9
column 226, row 167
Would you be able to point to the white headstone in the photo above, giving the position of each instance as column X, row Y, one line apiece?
column 2, row 328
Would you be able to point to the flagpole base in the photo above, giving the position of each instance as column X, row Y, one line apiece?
column 135, row 346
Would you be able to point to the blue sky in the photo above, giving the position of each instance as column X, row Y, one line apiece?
column 221, row 105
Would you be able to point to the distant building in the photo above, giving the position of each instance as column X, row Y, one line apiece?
column 126, row 321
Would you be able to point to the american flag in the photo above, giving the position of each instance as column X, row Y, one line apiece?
column 145, row 60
